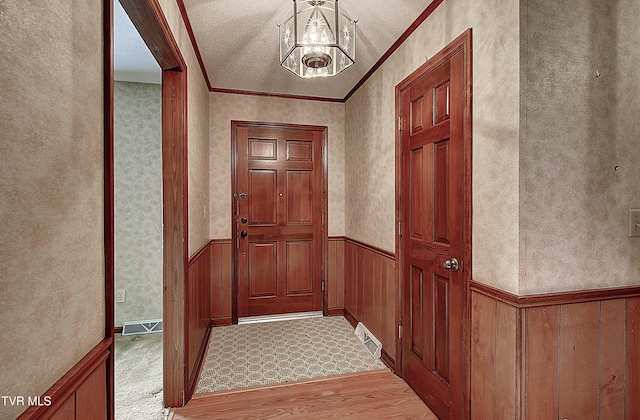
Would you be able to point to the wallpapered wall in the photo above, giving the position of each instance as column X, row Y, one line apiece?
column 138, row 200
column 51, row 188
column 226, row 107
column 577, row 128
column 370, row 135
column 198, row 131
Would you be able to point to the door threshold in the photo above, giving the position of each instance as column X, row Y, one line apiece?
column 278, row 317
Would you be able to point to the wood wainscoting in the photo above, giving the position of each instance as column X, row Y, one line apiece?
column 198, row 293
column 562, row 355
column 81, row 393
column 371, row 294
column 221, row 272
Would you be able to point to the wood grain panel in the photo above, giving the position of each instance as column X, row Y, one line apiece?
column 66, row 411
column 350, row 278
column 88, row 378
column 377, row 304
column 263, row 149
column 417, row 205
column 198, row 312
column 371, row 293
column 336, row 274
column 416, row 116
column 366, row 282
column 441, row 193
column 578, row 359
column 263, row 275
column 299, row 267
column 578, row 388
column 417, row 313
column 221, row 281
column 541, row 365
column 632, row 371
column 506, row 368
column 441, row 103
column 390, row 321
column 299, row 197
column 441, row 302
column 483, row 353
column 299, row 150
column 262, row 188
column 91, row 395
column 611, row 371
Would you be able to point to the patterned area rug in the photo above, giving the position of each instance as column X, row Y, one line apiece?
column 241, row 356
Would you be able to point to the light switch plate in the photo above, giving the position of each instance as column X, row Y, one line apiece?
column 634, row 222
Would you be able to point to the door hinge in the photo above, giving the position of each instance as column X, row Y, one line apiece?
column 400, row 331
column 323, row 218
column 400, row 123
column 322, row 285
column 399, row 228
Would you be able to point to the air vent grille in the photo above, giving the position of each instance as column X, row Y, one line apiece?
column 142, row 327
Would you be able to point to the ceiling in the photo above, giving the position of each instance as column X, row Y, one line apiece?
column 238, row 44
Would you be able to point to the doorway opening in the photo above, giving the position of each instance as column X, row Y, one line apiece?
column 138, row 223
column 148, row 18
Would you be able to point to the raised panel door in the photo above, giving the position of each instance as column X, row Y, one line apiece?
column 432, row 154
column 278, row 219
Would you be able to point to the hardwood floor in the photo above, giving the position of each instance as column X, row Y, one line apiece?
column 367, row 395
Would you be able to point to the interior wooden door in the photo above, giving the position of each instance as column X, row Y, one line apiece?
column 432, row 152
column 278, row 218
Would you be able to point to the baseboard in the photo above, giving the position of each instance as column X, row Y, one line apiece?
column 335, row 312
column 64, row 392
column 349, row 317
column 388, row 360
column 221, row 322
column 193, row 381
column 384, row 356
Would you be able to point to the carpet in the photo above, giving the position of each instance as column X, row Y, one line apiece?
column 240, row 356
column 138, row 379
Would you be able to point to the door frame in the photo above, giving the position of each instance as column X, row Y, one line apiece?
column 148, row 18
column 461, row 43
column 324, row 197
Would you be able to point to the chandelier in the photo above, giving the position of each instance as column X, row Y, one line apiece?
column 317, row 40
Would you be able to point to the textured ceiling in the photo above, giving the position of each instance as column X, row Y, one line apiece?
column 238, row 43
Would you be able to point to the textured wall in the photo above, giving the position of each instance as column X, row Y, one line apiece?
column 227, row 107
column 370, row 135
column 577, row 128
column 51, row 184
column 138, row 200
column 198, row 131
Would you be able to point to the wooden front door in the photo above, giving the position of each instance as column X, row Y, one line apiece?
column 278, row 217
column 433, row 110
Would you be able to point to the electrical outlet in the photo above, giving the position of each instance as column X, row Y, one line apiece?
column 121, row 296
column 634, row 222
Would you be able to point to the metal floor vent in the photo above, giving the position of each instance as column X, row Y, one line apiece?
column 371, row 343
column 142, row 327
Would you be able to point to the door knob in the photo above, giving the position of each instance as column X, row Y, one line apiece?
column 243, row 220
column 244, row 233
column 451, row 264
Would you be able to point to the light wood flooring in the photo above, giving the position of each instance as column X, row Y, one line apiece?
column 367, row 395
